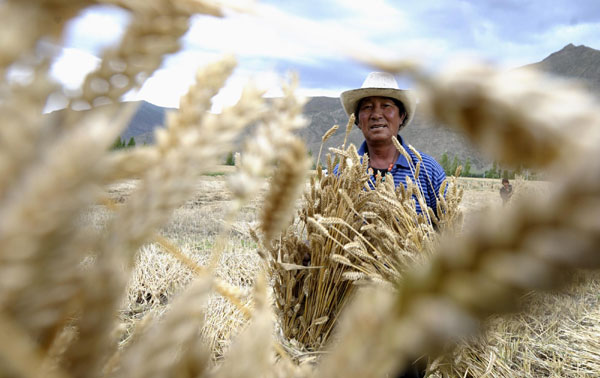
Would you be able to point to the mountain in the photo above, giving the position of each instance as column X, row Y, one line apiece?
column 141, row 127
column 580, row 63
column 575, row 62
column 323, row 112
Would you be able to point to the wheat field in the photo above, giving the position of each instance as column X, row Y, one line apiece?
column 136, row 264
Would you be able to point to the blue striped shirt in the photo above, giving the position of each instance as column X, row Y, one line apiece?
column 430, row 177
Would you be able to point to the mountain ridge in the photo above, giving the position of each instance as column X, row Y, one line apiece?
column 579, row 63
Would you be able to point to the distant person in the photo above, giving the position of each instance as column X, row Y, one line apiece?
column 382, row 110
column 506, row 191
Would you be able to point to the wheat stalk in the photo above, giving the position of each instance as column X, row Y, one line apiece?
column 167, row 347
column 286, row 185
column 324, row 138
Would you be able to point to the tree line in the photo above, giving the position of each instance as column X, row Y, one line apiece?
column 450, row 166
column 120, row 143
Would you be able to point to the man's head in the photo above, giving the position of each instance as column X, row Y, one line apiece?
column 505, row 182
column 379, row 118
column 380, row 84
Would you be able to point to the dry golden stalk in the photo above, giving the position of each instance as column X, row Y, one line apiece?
column 22, row 356
column 160, row 349
column 130, row 163
column 273, row 136
column 20, row 135
column 53, row 358
column 324, row 138
column 221, row 287
column 185, row 152
column 349, row 127
column 251, row 355
column 555, row 335
column 206, row 7
column 286, row 185
column 186, row 149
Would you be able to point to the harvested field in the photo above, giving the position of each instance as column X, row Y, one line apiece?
column 506, row 346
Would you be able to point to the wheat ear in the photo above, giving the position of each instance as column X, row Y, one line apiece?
column 349, row 127
column 183, row 150
column 24, row 133
column 153, row 32
column 286, row 185
column 251, row 355
column 25, row 23
column 324, row 138
column 22, row 356
column 37, row 234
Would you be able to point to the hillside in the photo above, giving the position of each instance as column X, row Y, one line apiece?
column 580, row 63
column 324, row 112
column 575, row 62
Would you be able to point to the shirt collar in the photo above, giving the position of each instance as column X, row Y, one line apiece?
column 401, row 159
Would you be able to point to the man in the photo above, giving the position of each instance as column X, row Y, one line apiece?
column 506, row 191
column 382, row 110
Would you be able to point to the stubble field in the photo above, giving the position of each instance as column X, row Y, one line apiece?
column 511, row 345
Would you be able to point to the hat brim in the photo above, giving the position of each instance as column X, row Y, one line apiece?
column 351, row 98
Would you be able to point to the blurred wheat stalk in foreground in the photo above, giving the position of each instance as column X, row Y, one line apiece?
column 61, row 282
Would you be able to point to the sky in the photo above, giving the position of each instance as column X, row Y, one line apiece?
column 316, row 39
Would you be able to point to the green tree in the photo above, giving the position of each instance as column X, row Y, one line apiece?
column 467, row 168
column 131, row 143
column 454, row 165
column 117, row 144
column 492, row 172
column 445, row 163
column 230, row 160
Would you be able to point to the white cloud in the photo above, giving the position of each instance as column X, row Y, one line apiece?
column 173, row 79
column 245, row 36
column 373, row 18
column 96, row 28
column 168, row 84
column 584, row 33
column 72, row 65
column 269, row 38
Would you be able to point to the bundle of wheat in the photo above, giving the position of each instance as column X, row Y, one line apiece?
column 350, row 231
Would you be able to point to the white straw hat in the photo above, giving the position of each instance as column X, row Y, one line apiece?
column 380, row 84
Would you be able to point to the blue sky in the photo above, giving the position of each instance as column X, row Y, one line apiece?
column 314, row 39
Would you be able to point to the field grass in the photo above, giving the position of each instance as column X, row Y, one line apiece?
column 158, row 278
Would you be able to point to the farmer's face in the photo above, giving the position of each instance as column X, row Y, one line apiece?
column 379, row 119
